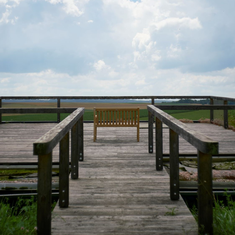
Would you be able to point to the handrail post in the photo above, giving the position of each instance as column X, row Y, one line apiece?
column 150, row 132
column 152, row 101
column 74, row 152
column 225, row 115
column 64, row 172
column 158, row 142
column 211, row 111
column 80, row 139
column 44, row 194
column 174, row 165
column 58, row 106
column 205, row 197
column 0, row 113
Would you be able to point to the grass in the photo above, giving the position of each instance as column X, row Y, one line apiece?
column 223, row 216
column 19, row 217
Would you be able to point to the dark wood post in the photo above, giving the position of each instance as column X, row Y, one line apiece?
column 44, row 194
column 158, row 135
column 0, row 113
column 64, row 172
column 150, row 132
column 74, row 152
column 58, row 106
column 152, row 101
column 211, row 111
column 225, row 115
column 80, row 139
column 205, row 198
column 174, row 165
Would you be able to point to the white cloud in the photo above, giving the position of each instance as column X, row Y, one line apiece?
column 185, row 22
column 5, row 80
column 100, row 64
column 90, row 21
column 72, row 7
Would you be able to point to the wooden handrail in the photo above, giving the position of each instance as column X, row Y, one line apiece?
column 43, row 147
column 206, row 148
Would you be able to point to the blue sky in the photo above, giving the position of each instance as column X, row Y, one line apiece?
column 117, row 47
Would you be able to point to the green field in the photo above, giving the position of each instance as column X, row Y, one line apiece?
column 88, row 116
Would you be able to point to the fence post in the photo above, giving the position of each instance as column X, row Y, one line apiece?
column 0, row 113
column 211, row 111
column 44, row 194
column 152, row 101
column 64, row 172
column 158, row 142
column 174, row 165
column 80, row 139
column 74, row 151
column 58, row 106
column 150, row 132
column 205, row 197
column 225, row 115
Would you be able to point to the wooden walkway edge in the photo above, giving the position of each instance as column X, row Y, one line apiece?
column 120, row 192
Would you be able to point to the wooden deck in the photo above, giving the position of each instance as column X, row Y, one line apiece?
column 119, row 191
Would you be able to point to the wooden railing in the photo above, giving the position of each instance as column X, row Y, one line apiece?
column 152, row 99
column 205, row 147
column 43, row 147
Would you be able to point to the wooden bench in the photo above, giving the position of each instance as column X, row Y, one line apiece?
column 116, row 117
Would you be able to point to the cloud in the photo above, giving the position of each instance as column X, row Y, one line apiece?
column 185, row 22
column 72, row 7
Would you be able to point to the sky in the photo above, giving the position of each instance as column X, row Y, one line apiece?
column 117, row 47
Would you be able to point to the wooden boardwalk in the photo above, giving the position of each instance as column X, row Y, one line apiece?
column 118, row 190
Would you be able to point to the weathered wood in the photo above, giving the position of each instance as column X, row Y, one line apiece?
column 36, row 110
column 205, row 197
column 174, row 165
column 195, row 107
column 198, row 140
column 44, row 194
column 120, row 192
column 159, row 145
column 211, row 111
column 0, row 113
column 64, row 172
column 48, row 141
column 110, row 117
column 58, row 106
column 80, row 139
column 225, row 115
column 150, row 132
column 74, row 152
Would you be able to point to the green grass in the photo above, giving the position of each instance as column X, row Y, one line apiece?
column 223, row 216
column 20, row 217
column 88, row 116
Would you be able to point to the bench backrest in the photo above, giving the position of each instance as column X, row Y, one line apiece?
column 116, row 117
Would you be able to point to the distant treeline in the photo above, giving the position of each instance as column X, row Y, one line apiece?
column 190, row 101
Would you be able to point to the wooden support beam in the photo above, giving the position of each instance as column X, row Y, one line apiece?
column 205, row 197
column 174, row 165
column 225, row 115
column 211, row 111
column 150, row 132
column 0, row 113
column 80, row 139
column 44, row 194
column 159, row 145
column 64, row 172
column 58, row 106
column 74, row 152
